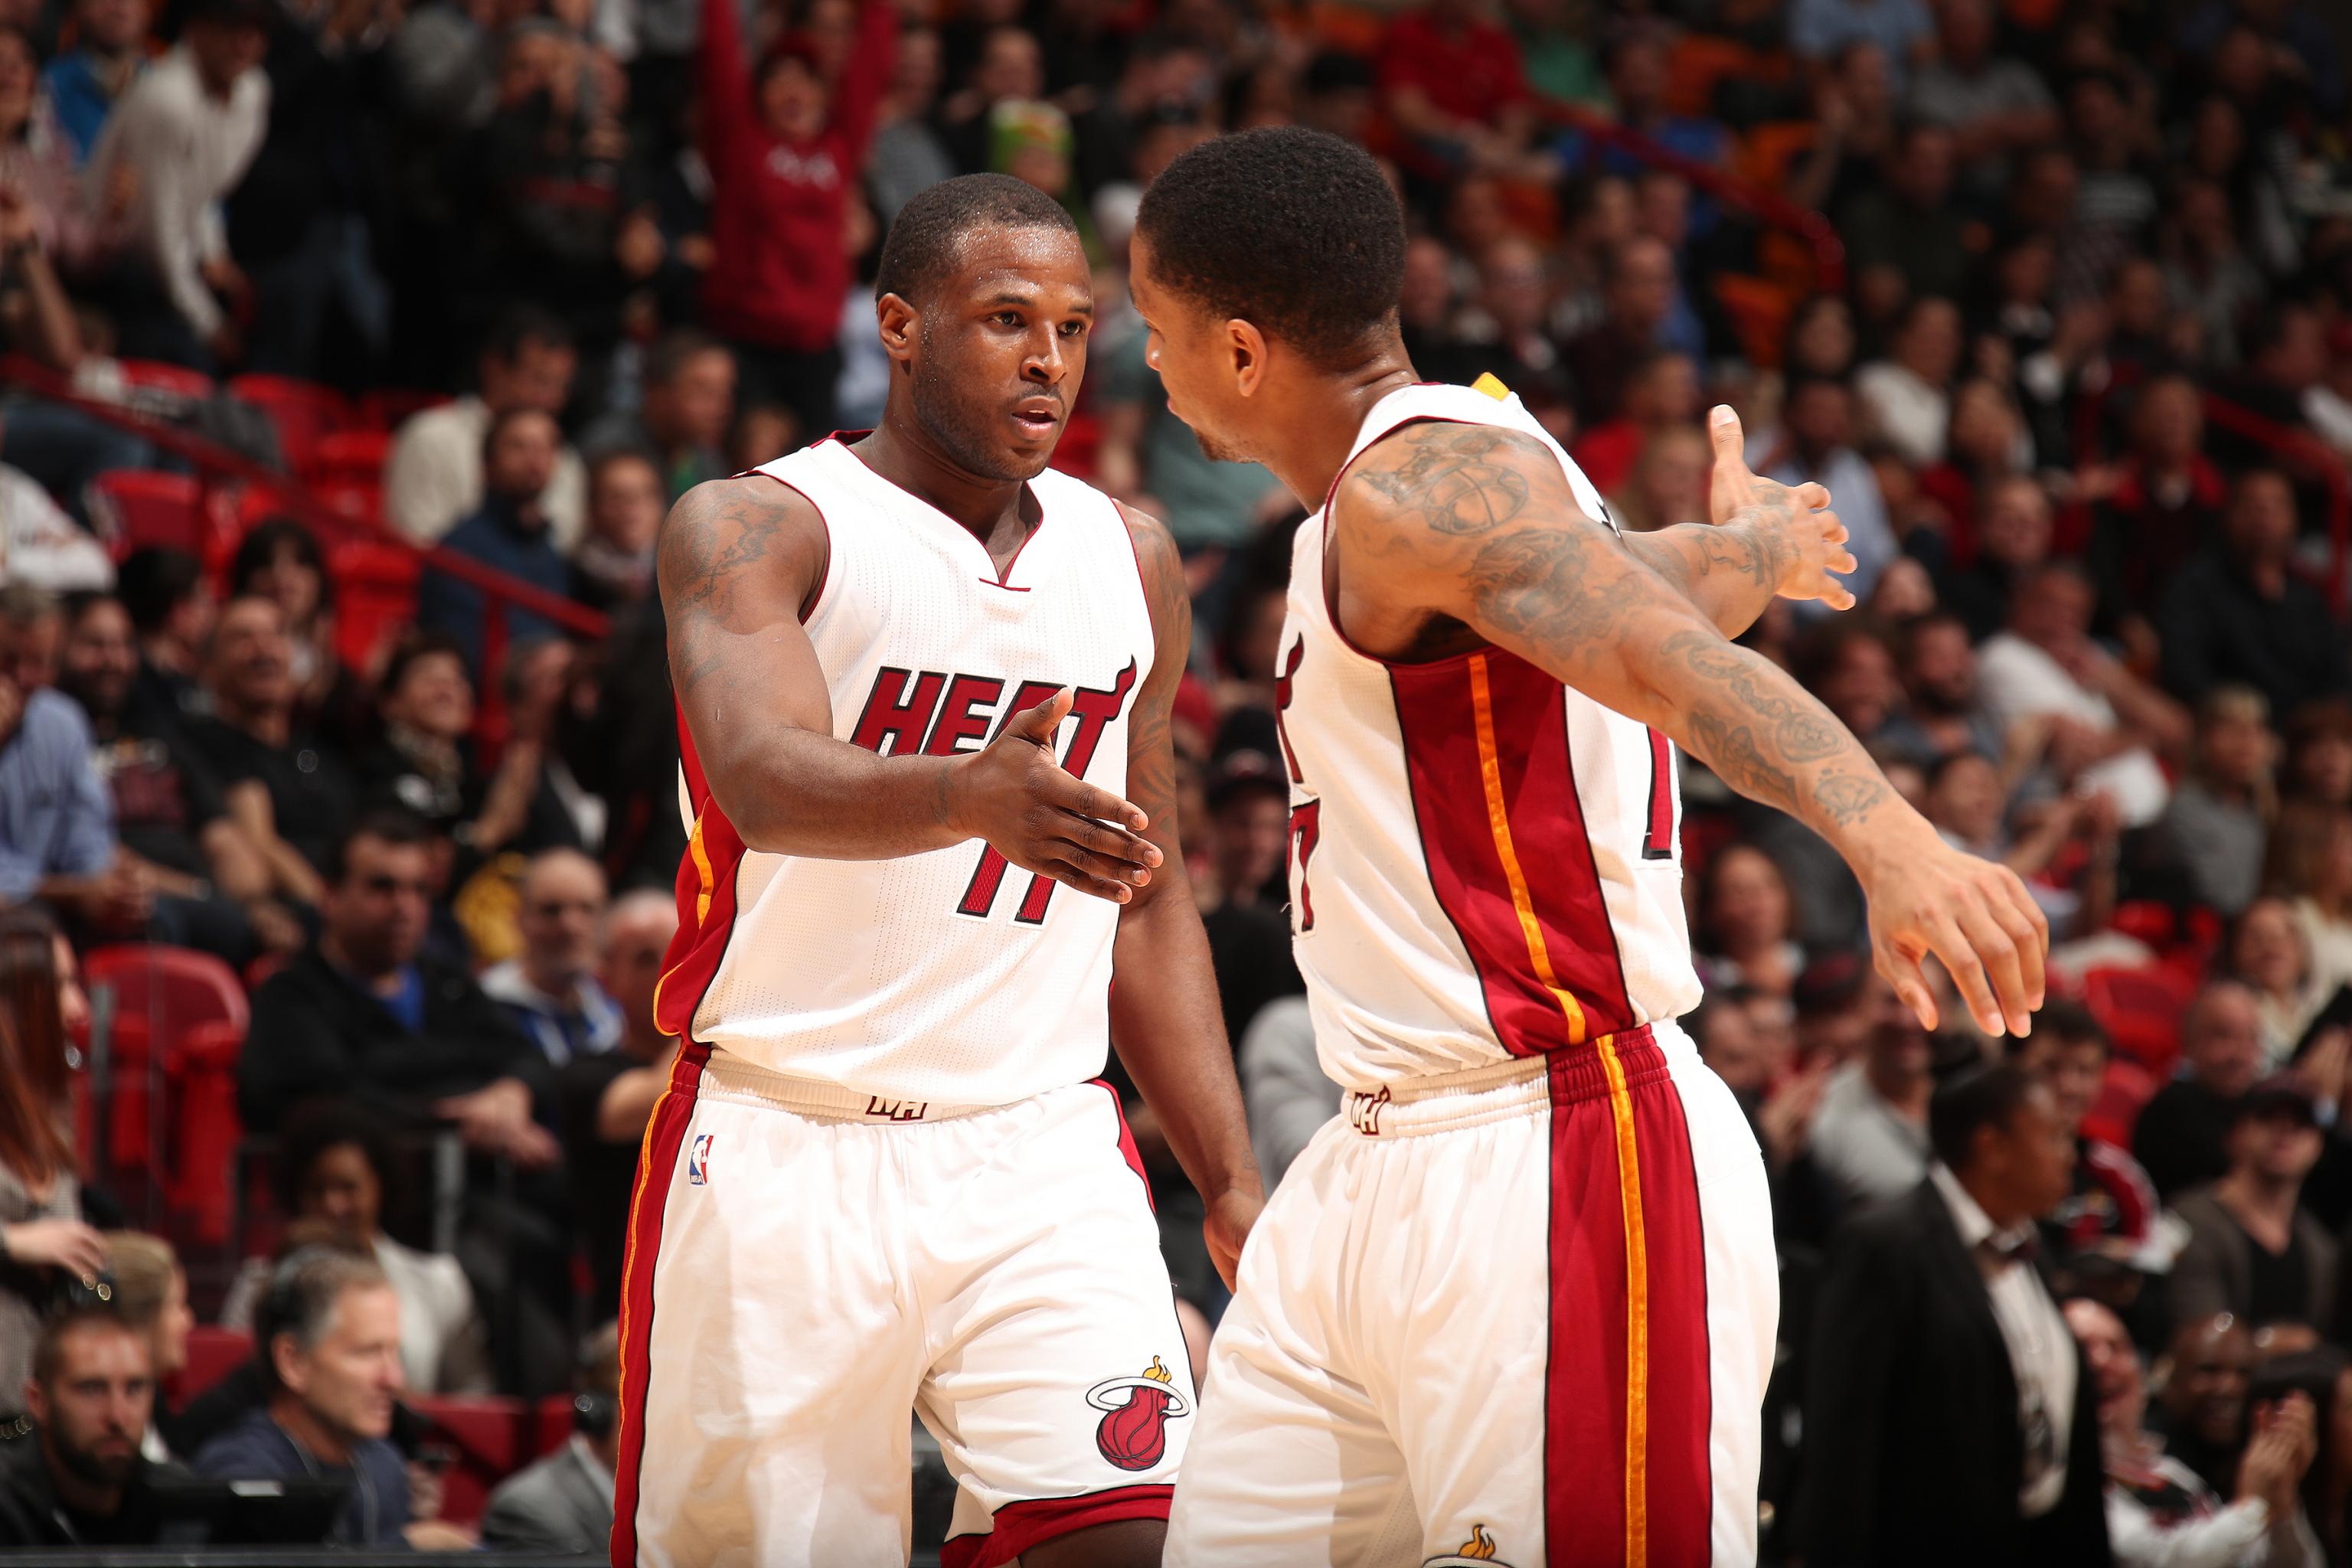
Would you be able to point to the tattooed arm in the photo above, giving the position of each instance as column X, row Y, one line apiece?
column 1164, row 1017
column 1766, row 540
column 740, row 561
column 1492, row 538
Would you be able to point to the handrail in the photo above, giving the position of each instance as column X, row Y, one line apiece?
column 1767, row 205
column 211, row 457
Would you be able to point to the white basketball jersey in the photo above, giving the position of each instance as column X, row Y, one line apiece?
column 1483, row 862
column 948, row 977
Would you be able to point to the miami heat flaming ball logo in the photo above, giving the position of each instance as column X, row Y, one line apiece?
column 1478, row 1551
column 1135, row 1413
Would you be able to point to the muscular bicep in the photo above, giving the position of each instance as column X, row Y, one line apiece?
column 1479, row 524
column 740, row 561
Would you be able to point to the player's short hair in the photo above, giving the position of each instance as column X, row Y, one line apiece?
column 924, row 237
column 1291, row 230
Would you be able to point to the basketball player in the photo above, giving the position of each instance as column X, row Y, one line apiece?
column 925, row 685
column 1517, row 1305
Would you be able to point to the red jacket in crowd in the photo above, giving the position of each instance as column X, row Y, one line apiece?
column 778, row 208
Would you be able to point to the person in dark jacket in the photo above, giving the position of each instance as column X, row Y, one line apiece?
column 2241, row 614
column 1950, row 1419
column 509, row 535
column 360, row 1014
column 328, row 1338
column 80, row 1479
column 2182, row 1137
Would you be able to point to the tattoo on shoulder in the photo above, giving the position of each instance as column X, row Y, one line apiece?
column 1446, row 476
column 708, row 542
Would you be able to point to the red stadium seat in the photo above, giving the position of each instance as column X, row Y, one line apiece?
column 489, row 1436
column 155, row 375
column 375, row 597
column 179, row 1021
column 2141, row 1009
column 144, row 507
column 350, row 455
column 302, row 411
column 361, row 501
column 2124, row 1090
column 552, row 1425
column 213, row 1354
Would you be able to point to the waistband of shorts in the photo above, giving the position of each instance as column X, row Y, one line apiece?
column 1441, row 1103
column 730, row 1077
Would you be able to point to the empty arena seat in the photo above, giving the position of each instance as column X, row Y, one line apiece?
column 346, row 457
column 386, row 409
column 179, row 1019
column 213, row 1354
column 140, row 507
column 156, row 375
column 375, row 596
column 2141, row 1010
column 302, row 411
column 489, row 1437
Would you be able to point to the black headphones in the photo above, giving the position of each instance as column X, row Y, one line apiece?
column 595, row 1416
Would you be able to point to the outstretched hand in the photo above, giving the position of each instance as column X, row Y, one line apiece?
column 1977, row 920
column 1806, row 540
column 1044, row 819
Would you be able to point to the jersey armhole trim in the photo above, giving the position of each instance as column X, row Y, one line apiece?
column 1329, row 523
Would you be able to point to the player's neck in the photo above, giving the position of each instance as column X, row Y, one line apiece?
column 986, row 506
column 1312, row 449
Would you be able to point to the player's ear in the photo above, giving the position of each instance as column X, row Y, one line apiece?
column 897, row 319
column 1246, row 346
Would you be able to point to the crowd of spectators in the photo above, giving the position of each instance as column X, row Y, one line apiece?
column 2081, row 387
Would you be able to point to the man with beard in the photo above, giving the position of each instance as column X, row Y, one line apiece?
column 2204, row 1399
column 1870, row 1137
column 80, row 1479
column 1938, row 666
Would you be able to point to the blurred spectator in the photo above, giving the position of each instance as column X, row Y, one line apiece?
column 2099, row 725
column 2244, row 615
column 2319, row 753
column 280, row 560
column 1815, row 446
column 329, row 1335
column 2111, row 1208
column 1147, row 450
column 1661, row 394
column 1906, row 398
column 2160, row 1513
column 433, row 480
column 1905, row 239
column 1513, row 343
column 2116, row 201
column 613, row 566
column 1452, row 84
column 2204, row 1394
column 2214, row 828
column 2207, row 271
column 43, row 1243
column 2269, row 953
column 908, row 155
column 81, row 1479
column 85, row 82
column 290, row 790
column 2311, row 863
column 784, row 145
column 688, row 400
column 1641, row 292
column 1848, row 664
column 563, row 1503
column 1669, row 482
column 171, row 608
column 2013, row 540
column 511, row 532
column 2252, row 1252
column 2182, row 1135
column 359, row 1012
column 184, row 134
column 151, row 1292
column 1903, row 30
column 1994, row 105
column 1988, row 445
column 550, row 991
column 1964, row 802
column 41, row 543
column 604, row 1100
column 1282, row 1085
column 1987, row 1450
column 2165, row 502
column 1940, row 716
column 1870, row 1139
column 31, row 625
column 335, row 1163
column 1746, row 923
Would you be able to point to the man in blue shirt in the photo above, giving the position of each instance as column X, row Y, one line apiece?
column 328, row 1338
column 510, row 532
column 56, row 823
column 549, row 990
column 84, row 82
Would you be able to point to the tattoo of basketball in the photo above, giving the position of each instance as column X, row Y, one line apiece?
column 1446, row 481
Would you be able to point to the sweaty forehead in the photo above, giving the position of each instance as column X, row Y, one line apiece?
column 1026, row 258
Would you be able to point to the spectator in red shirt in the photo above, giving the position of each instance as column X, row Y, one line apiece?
column 1454, row 91
column 785, row 152
column 2165, row 503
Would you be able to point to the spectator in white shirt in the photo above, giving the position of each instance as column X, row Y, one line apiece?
column 187, row 131
column 2160, row 1513
column 433, row 480
column 1906, row 398
column 2053, row 692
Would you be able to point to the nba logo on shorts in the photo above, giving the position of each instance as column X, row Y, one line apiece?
column 698, row 1160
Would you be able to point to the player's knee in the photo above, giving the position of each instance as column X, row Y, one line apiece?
column 1128, row 1544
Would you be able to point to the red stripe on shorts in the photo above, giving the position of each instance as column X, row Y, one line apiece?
column 657, row 1162
column 1627, row 1402
column 1018, row 1526
column 1133, row 1156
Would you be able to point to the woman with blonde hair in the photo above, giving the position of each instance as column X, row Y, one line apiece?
column 2310, row 865
column 151, row 1292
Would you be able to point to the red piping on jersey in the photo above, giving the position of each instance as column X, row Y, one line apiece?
column 1000, row 578
column 1026, row 1522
